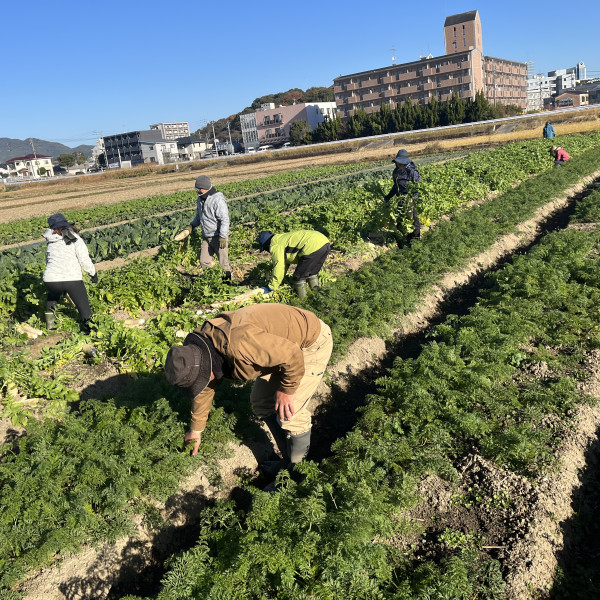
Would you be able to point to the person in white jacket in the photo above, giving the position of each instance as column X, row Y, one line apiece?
column 66, row 256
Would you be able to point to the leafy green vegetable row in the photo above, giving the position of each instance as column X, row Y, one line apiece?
column 343, row 210
column 360, row 304
column 337, row 534
column 29, row 229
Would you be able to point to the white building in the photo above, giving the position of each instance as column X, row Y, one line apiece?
column 159, row 151
column 31, row 165
column 541, row 86
column 172, row 131
column 190, row 148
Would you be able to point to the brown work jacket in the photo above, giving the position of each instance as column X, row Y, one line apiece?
column 258, row 340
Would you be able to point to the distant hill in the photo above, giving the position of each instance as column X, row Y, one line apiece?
column 11, row 148
column 295, row 95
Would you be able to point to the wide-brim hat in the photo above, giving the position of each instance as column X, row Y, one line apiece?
column 189, row 366
column 401, row 157
column 58, row 220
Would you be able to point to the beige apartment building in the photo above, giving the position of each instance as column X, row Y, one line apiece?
column 463, row 70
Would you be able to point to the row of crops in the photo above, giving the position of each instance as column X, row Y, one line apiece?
column 29, row 229
column 345, row 210
column 336, row 534
column 82, row 476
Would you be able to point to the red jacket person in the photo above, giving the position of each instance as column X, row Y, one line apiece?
column 283, row 348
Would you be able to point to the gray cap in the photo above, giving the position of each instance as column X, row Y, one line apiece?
column 203, row 183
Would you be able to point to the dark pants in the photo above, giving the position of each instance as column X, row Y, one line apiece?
column 311, row 264
column 76, row 291
column 411, row 207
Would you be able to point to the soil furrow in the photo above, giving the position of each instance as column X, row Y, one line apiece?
column 108, row 572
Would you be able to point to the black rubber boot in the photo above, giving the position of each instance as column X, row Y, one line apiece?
column 300, row 288
column 313, row 282
column 85, row 326
column 297, row 449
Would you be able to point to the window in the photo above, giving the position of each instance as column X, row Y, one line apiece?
column 454, row 45
column 464, row 42
column 455, row 32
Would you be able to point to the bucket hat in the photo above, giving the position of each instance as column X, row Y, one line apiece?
column 190, row 365
column 401, row 158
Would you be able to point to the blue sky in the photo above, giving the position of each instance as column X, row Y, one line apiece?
column 72, row 69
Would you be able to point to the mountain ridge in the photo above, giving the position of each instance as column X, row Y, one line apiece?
column 12, row 148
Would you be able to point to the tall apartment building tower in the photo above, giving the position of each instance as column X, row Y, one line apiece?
column 463, row 32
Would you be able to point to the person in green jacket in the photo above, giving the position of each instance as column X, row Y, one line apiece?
column 304, row 248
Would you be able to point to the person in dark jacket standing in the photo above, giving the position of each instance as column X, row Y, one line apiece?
column 403, row 175
column 212, row 215
column 283, row 349
column 548, row 131
column 305, row 248
column 66, row 256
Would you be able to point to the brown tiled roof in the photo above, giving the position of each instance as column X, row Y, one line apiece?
column 28, row 157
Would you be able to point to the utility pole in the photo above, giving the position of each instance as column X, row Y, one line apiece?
column 35, row 175
column 230, row 142
column 214, row 138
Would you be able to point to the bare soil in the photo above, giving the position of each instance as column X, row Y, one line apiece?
column 525, row 534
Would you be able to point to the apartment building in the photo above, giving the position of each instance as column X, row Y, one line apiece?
column 129, row 148
column 541, row 87
column 463, row 70
column 172, row 131
column 271, row 125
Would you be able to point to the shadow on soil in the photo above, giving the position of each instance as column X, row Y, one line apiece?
column 336, row 417
column 578, row 574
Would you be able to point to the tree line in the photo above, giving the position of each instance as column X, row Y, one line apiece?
column 406, row 116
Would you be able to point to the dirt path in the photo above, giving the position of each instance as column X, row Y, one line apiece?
column 105, row 572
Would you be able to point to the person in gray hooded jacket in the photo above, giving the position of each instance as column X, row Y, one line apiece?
column 66, row 256
column 212, row 216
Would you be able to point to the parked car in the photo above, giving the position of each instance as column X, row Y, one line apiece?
column 265, row 147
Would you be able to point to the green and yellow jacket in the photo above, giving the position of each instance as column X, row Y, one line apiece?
column 288, row 248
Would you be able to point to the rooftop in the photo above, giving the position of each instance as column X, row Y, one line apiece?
column 460, row 18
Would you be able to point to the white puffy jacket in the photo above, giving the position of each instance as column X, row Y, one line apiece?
column 64, row 262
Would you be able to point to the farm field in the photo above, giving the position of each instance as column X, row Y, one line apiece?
column 113, row 188
column 451, row 431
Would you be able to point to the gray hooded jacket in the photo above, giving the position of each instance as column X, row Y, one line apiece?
column 64, row 262
column 212, row 215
